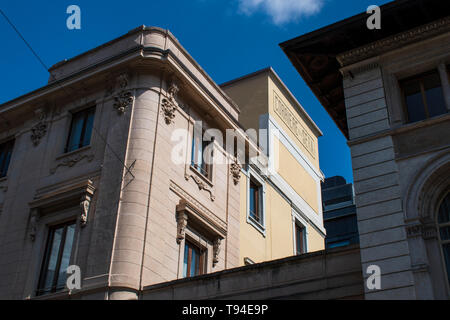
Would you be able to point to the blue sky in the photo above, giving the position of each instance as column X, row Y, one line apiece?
column 228, row 38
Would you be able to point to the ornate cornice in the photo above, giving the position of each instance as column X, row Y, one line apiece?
column 394, row 42
column 67, row 195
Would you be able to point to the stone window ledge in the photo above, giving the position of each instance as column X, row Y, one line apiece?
column 74, row 152
column 201, row 176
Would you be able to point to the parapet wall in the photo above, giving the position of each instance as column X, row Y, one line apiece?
column 324, row 275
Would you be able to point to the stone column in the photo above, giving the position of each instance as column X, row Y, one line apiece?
column 128, row 249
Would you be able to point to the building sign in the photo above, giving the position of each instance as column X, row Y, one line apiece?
column 293, row 124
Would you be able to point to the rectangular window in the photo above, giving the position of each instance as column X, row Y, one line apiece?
column 423, row 97
column 57, row 258
column 201, row 160
column 5, row 157
column 81, row 129
column 194, row 260
column 255, row 201
column 300, row 239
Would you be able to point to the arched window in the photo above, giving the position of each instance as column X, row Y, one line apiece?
column 444, row 231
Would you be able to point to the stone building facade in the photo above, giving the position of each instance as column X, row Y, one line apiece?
column 88, row 176
column 388, row 91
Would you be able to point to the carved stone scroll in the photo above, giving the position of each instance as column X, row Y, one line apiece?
column 39, row 130
column 169, row 105
column 182, row 220
column 216, row 251
column 235, row 170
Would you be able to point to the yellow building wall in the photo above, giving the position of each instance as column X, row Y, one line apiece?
column 295, row 175
column 315, row 240
column 253, row 244
column 251, row 96
column 278, row 242
column 280, row 227
column 283, row 111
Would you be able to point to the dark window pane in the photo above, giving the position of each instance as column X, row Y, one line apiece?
column 53, row 259
column 65, row 259
column 254, row 201
column 57, row 258
column 81, row 129
column 446, row 249
column 76, row 132
column 414, row 101
column 434, row 95
column 444, row 217
column 300, row 239
column 445, row 233
column 5, row 157
column 444, row 211
column 88, row 129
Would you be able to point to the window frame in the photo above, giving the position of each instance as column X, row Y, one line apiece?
column 298, row 226
column 207, row 171
column 260, row 225
column 297, row 219
column 419, row 77
column 256, row 189
column 7, row 146
column 86, row 112
column 50, row 232
column 202, row 258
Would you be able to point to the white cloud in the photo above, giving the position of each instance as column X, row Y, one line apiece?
column 282, row 11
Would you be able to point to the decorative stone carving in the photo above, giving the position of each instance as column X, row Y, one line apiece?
column 122, row 80
column 34, row 219
column 216, row 251
column 123, row 101
column 205, row 212
column 85, row 205
column 235, row 170
column 182, row 219
column 70, row 162
column 169, row 105
column 426, row 231
column 39, row 130
column 201, row 185
column 114, row 84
